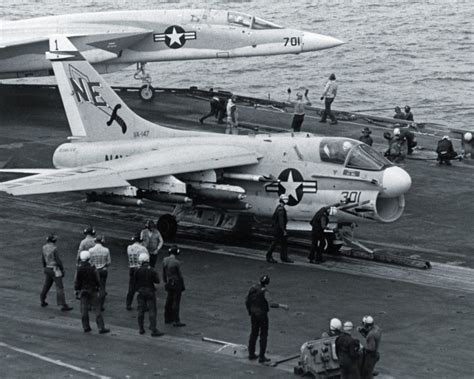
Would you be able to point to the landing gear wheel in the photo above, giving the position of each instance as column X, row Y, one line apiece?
column 167, row 226
column 146, row 93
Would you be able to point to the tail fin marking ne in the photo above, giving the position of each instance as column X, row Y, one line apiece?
column 94, row 111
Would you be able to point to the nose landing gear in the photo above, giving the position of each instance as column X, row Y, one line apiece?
column 146, row 92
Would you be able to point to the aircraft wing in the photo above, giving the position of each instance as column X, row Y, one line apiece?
column 118, row 172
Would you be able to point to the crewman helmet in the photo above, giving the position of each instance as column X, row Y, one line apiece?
column 143, row 257
column 348, row 326
column 368, row 320
column 52, row 238
column 396, row 131
column 265, row 280
column 84, row 255
column 137, row 238
column 299, row 95
column 446, row 138
column 89, row 231
column 174, row 249
column 150, row 224
column 407, row 108
column 346, row 145
column 100, row 238
column 284, row 199
column 468, row 136
column 332, row 77
column 335, row 324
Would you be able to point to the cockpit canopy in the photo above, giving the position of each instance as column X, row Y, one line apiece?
column 243, row 19
column 352, row 154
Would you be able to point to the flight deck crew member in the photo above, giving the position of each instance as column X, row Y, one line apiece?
column 174, row 285
column 279, row 221
column 145, row 279
column 152, row 240
column 100, row 258
column 87, row 287
column 365, row 137
column 87, row 243
column 399, row 115
column 408, row 114
column 133, row 252
column 329, row 94
column 53, row 273
column 299, row 110
column 397, row 146
column 218, row 109
column 372, row 334
column 232, row 116
column 257, row 308
column 318, row 239
column 348, row 353
column 445, row 151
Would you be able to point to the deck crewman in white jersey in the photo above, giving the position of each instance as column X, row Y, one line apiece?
column 329, row 94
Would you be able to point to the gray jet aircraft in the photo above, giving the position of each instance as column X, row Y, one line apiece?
column 117, row 157
column 114, row 40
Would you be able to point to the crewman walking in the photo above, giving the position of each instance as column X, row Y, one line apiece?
column 372, row 334
column 133, row 252
column 318, row 239
column 53, row 273
column 152, row 240
column 174, row 285
column 87, row 243
column 329, row 94
column 279, row 221
column 100, row 259
column 145, row 280
column 258, row 308
column 87, row 287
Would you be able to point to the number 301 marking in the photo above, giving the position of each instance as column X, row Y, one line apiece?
column 351, row 197
column 293, row 41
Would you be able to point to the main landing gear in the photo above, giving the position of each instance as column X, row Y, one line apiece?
column 146, row 92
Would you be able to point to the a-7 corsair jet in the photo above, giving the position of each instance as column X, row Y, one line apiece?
column 114, row 40
column 115, row 156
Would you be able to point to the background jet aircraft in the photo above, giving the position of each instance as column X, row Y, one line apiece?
column 114, row 40
column 117, row 157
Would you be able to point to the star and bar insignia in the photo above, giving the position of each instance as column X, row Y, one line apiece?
column 291, row 183
column 174, row 36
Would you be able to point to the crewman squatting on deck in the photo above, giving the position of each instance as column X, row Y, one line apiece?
column 329, row 94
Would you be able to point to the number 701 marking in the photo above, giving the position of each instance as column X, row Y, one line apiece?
column 292, row 41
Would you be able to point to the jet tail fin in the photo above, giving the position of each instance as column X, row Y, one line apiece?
column 94, row 111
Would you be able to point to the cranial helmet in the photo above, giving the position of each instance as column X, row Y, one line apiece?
column 173, row 250
column 335, row 324
column 284, row 198
column 348, row 326
column 143, row 257
column 89, row 230
column 137, row 238
column 52, row 238
column 99, row 238
column 150, row 224
column 299, row 95
column 367, row 320
column 84, row 255
column 346, row 145
column 265, row 280
column 468, row 136
column 396, row 131
column 445, row 137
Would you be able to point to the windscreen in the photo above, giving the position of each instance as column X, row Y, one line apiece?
column 243, row 19
column 364, row 157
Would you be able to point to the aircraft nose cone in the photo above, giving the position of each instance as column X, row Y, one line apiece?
column 395, row 182
column 313, row 42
